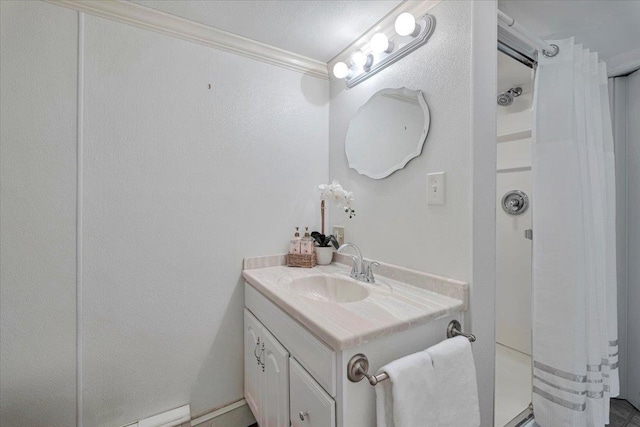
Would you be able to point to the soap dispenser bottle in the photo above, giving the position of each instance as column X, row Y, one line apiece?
column 294, row 244
column 306, row 244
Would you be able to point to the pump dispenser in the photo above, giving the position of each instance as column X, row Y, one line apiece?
column 294, row 244
column 306, row 244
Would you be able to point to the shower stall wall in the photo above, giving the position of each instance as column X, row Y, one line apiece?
column 624, row 99
column 513, row 287
column 513, row 251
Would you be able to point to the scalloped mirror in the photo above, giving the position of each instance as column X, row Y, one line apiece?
column 387, row 132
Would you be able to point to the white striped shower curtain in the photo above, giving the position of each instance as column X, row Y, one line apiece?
column 575, row 347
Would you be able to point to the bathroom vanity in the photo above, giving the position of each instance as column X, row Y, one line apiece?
column 302, row 326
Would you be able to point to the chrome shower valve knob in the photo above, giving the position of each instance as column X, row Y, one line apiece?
column 515, row 202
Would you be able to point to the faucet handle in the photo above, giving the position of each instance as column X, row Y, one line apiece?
column 369, row 271
column 354, row 268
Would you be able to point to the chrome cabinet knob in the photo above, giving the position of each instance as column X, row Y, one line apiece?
column 303, row 415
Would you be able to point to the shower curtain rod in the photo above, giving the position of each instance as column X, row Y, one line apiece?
column 548, row 50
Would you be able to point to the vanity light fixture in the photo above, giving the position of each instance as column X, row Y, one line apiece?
column 341, row 70
column 406, row 25
column 380, row 43
column 381, row 52
column 360, row 59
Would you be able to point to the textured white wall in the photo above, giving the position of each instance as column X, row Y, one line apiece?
column 393, row 221
column 633, row 255
column 484, row 75
column 180, row 183
column 38, row 58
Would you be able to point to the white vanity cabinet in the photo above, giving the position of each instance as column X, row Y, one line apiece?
column 310, row 405
column 295, row 368
column 266, row 378
column 294, row 391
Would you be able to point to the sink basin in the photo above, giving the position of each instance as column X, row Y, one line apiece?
column 329, row 289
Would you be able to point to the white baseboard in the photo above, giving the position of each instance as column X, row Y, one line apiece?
column 172, row 418
column 235, row 414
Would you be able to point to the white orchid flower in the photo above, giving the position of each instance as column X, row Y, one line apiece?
column 335, row 186
column 340, row 197
column 324, row 191
column 348, row 199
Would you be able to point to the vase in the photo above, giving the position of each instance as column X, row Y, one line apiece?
column 324, row 255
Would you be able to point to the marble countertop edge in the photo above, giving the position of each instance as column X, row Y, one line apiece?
column 452, row 288
column 370, row 320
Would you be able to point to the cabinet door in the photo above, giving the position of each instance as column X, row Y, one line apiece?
column 252, row 368
column 311, row 406
column 275, row 383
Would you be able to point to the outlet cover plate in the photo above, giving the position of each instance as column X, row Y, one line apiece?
column 338, row 232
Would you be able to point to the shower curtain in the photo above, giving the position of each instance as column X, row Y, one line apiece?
column 575, row 348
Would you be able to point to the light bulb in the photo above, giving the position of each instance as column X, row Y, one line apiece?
column 406, row 24
column 358, row 58
column 340, row 70
column 380, row 43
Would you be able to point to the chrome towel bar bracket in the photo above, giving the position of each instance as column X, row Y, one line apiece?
column 358, row 366
column 454, row 329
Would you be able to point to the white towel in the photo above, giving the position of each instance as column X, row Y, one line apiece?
column 405, row 400
column 436, row 387
column 456, row 388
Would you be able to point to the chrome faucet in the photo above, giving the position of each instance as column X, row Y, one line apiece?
column 361, row 270
column 358, row 263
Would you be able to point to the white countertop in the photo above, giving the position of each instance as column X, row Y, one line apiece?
column 391, row 306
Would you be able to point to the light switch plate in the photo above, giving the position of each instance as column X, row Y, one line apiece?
column 435, row 188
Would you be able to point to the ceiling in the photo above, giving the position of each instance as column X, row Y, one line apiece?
column 609, row 27
column 317, row 29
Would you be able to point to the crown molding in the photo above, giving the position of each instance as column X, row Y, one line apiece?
column 174, row 26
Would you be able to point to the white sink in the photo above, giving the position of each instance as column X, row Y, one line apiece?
column 329, row 288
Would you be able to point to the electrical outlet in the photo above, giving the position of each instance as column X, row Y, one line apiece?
column 435, row 188
column 338, row 231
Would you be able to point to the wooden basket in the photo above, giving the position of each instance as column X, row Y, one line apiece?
column 302, row 260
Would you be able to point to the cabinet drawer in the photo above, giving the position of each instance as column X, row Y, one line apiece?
column 310, row 405
column 316, row 357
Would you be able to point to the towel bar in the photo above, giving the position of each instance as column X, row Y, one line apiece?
column 358, row 366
